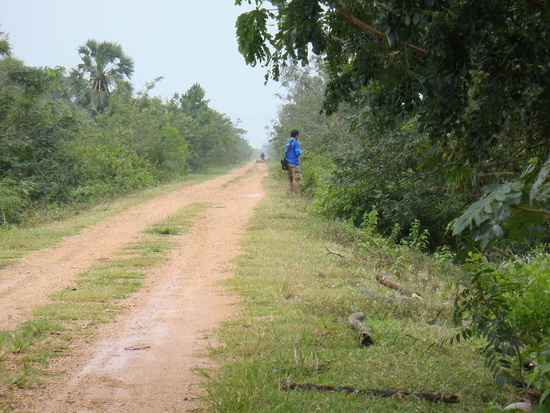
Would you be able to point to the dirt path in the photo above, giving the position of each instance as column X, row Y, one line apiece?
column 143, row 361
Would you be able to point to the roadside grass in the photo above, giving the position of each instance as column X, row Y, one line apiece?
column 177, row 223
column 249, row 172
column 298, row 279
column 94, row 297
column 46, row 227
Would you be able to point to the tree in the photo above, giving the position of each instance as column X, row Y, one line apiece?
column 104, row 68
column 5, row 48
column 193, row 101
column 475, row 75
column 213, row 139
column 354, row 165
column 33, row 132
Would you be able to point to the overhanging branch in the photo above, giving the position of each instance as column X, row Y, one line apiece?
column 537, row 4
column 422, row 52
column 364, row 26
column 537, row 211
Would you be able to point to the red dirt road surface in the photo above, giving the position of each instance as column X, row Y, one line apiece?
column 143, row 361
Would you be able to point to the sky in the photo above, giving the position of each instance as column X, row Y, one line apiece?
column 184, row 41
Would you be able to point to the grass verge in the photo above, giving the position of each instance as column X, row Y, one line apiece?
column 298, row 279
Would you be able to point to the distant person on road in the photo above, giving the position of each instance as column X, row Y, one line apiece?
column 293, row 151
column 262, row 157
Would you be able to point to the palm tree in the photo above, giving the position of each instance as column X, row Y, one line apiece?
column 104, row 68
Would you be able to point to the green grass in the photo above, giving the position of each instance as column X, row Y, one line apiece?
column 179, row 222
column 297, row 296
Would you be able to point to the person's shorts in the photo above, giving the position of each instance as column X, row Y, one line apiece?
column 294, row 173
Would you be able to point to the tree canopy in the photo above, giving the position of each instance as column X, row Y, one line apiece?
column 104, row 66
column 473, row 75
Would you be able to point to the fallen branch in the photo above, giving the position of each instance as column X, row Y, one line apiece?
column 436, row 397
column 134, row 348
column 334, row 253
column 355, row 320
column 396, row 286
column 366, row 291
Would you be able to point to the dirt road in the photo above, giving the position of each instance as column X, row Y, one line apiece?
column 143, row 361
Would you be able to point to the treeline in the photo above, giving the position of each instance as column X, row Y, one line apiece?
column 75, row 136
column 354, row 162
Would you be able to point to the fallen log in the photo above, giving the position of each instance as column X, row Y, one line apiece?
column 432, row 396
column 355, row 320
column 134, row 348
column 382, row 279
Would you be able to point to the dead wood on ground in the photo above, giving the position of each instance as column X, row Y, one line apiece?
column 396, row 286
column 355, row 320
column 433, row 396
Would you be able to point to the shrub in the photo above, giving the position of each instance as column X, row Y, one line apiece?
column 509, row 307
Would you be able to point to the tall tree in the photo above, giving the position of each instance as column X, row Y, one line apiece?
column 5, row 48
column 193, row 101
column 104, row 68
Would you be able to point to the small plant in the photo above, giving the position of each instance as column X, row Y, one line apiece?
column 370, row 220
column 444, row 254
column 417, row 239
column 396, row 230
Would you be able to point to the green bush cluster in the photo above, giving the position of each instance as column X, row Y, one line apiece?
column 509, row 306
column 58, row 148
column 360, row 181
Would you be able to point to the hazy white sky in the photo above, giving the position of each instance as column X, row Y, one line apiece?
column 185, row 41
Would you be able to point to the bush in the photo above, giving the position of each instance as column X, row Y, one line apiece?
column 509, row 307
column 401, row 196
column 109, row 169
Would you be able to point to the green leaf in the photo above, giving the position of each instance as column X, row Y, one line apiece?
column 541, row 178
column 544, row 396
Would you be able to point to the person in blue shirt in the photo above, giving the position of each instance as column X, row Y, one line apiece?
column 293, row 152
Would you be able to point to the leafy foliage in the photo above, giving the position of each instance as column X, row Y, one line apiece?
column 75, row 138
column 352, row 164
column 474, row 75
column 497, row 210
column 510, row 308
column 14, row 196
